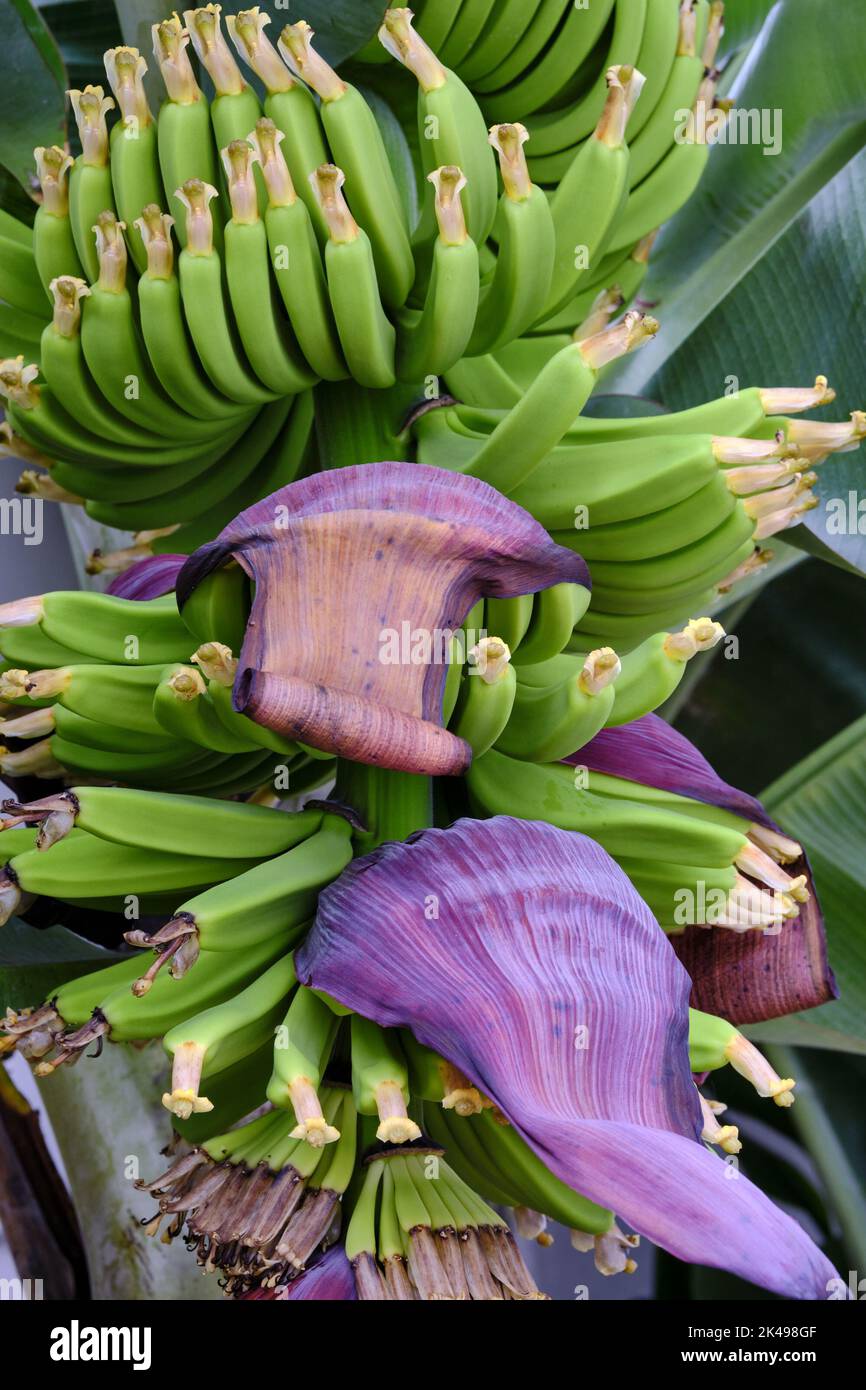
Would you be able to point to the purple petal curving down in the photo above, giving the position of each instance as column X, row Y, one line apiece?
column 149, row 578
column 744, row 976
column 545, row 979
column 648, row 750
column 349, row 566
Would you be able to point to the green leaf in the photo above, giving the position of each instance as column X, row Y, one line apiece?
column 32, row 961
column 32, row 99
column 756, row 277
column 831, row 1122
column 83, row 30
column 819, row 802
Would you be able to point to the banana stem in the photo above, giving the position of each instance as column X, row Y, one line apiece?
column 390, row 804
column 356, row 425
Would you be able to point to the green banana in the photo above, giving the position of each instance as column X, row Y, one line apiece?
column 367, row 337
column 164, row 330
column 751, row 411
column 151, row 768
column 301, row 1051
column 295, row 258
column 358, row 149
column 600, row 485
column 90, row 188
column 235, row 107
column 714, row 1043
column 548, row 793
column 541, row 84
column 31, row 648
column 452, row 129
column 220, row 482
column 184, row 141
column 54, row 249
column 590, row 195
column 217, row 1038
column 206, row 303
column 184, row 709
column 218, row 609
column 86, row 866
column 288, row 105
column 649, row 674
column 267, row 337
column 685, row 566
column 679, row 94
column 217, row 664
column 39, row 417
column 72, row 1002
column 537, row 26
column 431, row 340
column 549, row 723
column 276, row 898
column 486, row 699
column 101, row 627
column 115, row 353
column 515, row 296
column 134, row 157
column 380, row 1080
column 685, row 524
column 66, row 371
column 500, row 36
column 674, row 180
column 162, row 821
column 91, row 733
column 508, row 617
column 123, row 1016
column 465, row 31
column 554, row 614
column 114, row 694
column 536, row 425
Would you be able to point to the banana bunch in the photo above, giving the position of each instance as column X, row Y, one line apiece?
column 102, row 847
column 693, row 864
column 107, row 693
column 531, row 698
column 204, row 267
column 669, row 510
column 549, row 63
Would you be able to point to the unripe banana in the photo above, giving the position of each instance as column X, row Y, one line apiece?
column 366, row 335
column 452, row 129
column 549, row 723
column 54, row 250
column 357, row 147
column 90, row 190
column 713, row 1043
column 134, row 156
column 431, row 340
column 301, row 1051
column 185, row 143
column 380, row 1080
column 209, row 1042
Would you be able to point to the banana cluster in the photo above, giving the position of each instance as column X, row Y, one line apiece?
column 104, row 687
column 207, row 266
column 549, row 64
column 347, row 1124
column 670, row 511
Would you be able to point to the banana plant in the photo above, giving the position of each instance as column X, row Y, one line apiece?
column 324, row 329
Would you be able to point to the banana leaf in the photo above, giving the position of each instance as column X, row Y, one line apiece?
column 32, row 96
